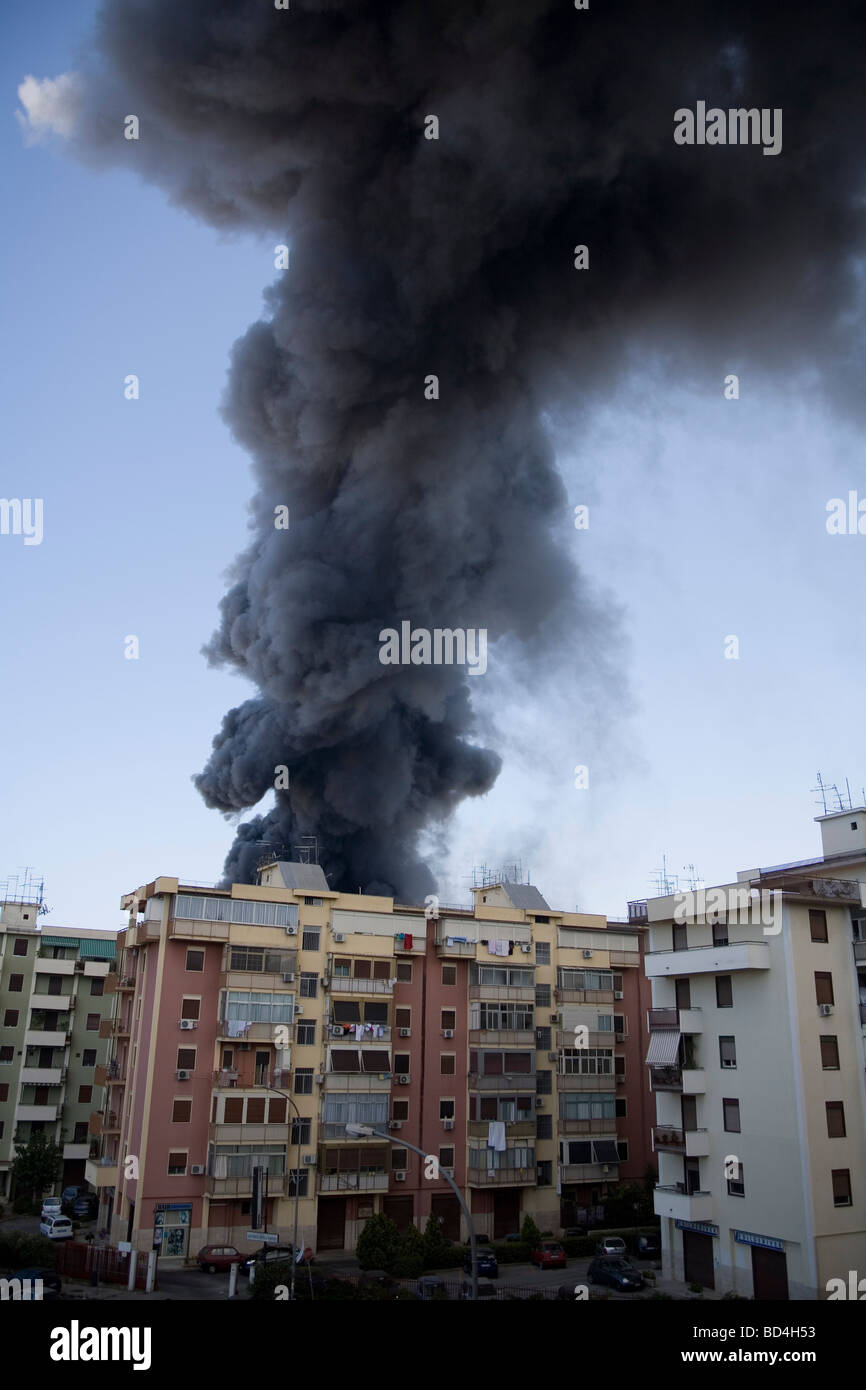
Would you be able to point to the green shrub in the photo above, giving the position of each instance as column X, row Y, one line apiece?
column 20, row 1250
column 23, row 1206
column 434, row 1249
column 529, row 1232
column 696, row 1288
column 379, row 1243
column 511, row 1252
column 408, row 1266
column 269, row 1276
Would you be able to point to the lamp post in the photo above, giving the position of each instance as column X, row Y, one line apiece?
column 297, row 1186
column 365, row 1131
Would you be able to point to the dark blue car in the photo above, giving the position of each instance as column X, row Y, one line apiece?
column 487, row 1264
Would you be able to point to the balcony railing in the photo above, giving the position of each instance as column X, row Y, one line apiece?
column 514, row 1129
column 346, row 984
column 519, row 994
column 860, row 952
column 666, row 1078
column 243, row 1186
column 239, row 1031
column 335, row 1034
column 583, row 996
column 352, row 1081
column 662, row 1018
column 502, row 1037
column 577, row 1081
column 352, row 1182
column 598, row 1129
column 512, row 1081
column 455, row 950
column 590, row 1172
column 501, row 1177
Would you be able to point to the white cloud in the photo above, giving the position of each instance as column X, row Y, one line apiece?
column 51, row 106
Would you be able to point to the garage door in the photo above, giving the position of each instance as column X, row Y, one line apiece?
column 698, row 1259
column 769, row 1273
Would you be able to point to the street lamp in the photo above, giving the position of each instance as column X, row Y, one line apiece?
column 297, row 1185
column 366, row 1132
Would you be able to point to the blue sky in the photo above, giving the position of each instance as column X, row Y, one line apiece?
column 707, row 519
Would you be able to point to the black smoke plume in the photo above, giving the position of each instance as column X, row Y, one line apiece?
column 454, row 257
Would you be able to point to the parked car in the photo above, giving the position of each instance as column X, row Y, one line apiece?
column 548, row 1255
column 574, row 1233
column 217, row 1259
column 648, row 1247
column 56, row 1227
column 486, row 1288
column 84, row 1208
column 68, row 1196
column 51, row 1283
column 274, row 1255
column 615, row 1271
column 611, row 1245
column 431, row 1286
column 51, row 1206
column 487, row 1262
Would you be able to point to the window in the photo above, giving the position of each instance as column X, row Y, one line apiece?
column 731, row 1115
column 85, row 1094
column 361, row 969
column 303, row 1081
column 97, row 987
column 622, row 1150
column 262, row 960
column 79, row 1132
column 841, row 1187
column 195, row 960
column 619, row 1066
column 446, row 1109
column 542, row 953
column 449, row 1018
column 680, row 937
column 309, row 984
column 542, row 996
column 181, row 1112
column 10, row 1018
column 835, row 1119
column 93, row 1023
column 724, row 992
column 544, row 1083
column 233, row 1112
column 7, row 1054
column 543, row 1039
column 20, row 946
column 720, row 933
column 402, row 1061
column 298, row 1180
column 737, row 1185
column 447, row 1064
column 16, row 984
column 402, row 1018
column 190, row 1008
column 313, row 902
column 306, row 1033
column 400, row 1110
column 177, row 1163
column 621, row 1109
column 544, row 1126
column 449, row 974
column 544, row 1171
column 823, row 987
column 399, row 1158
column 88, row 1057
column 259, row 914
column 404, row 971
column 186, row 1058
column 4, row 1091
column 446, row 1156
column 300, row 1131
column 818, row 924
column 255, row 1110
column 830, row 1053
column 728, row 1052
column 311, row 939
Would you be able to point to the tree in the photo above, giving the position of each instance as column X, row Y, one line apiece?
column 529, row 1233
column 410, row 1260
column 378, row 1243
column 37, row 1164
column 434, row 1246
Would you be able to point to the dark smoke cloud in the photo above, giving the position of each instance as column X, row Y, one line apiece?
column 454, row 257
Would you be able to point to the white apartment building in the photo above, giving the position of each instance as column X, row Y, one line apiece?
column 757, row 1059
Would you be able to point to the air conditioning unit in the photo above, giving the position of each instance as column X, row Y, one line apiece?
column 336, row 1032
column 395, row 1124
column 291, row 931
column 309, row 1160
column 288, row 977
column 825, row 1010
column 540, row 1102
column 399, row 1176
column 553, row 1056
column 405, row 1032
column 587, row 955
column 339, row 937
column 447, row 1124
column 618, row 994
column 525, row 948
column 183, row 1075
column 197, row 1169
column 448, row 1032
column 620, row 1037
column 403, row 1080
column 554, row 1019
column 299, row 1008
column 326, row 980
column 187, row 1023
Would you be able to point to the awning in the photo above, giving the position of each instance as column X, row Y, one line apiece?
column 45, row 940
column 91, row 949
column 664, row 1048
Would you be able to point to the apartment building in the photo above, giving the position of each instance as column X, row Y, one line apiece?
column 253, row 1024
column 53, row 1007
column 757, row 1058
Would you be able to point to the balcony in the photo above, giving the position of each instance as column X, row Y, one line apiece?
column 593, row 1039
column 225, row 1080
column 345, row 984
column 352, row 1081
column 36, row 1112
column 709, row 960
column 863, row 1014
column 502, row 994
column 691, row 1081
column 512, row 1081
column 184, row 929
column 43, row 965
column 352, row 1182
column 101, row 1172
column 41, row 1076
column 577, row 1081
column 502, row 1037
column 40, row 1037
column 249, row 1134
column 590, row 1172
column 596, row 1129
column 619, row 958
column 113, row 1028
column 583, row 996
column 237, row 1031
column 501, row 1177
column 860, row 952
column 72, row 1152
column 694, row 1143
column 243, row 1186
column 264, row 980
column 514, row 1129
column 681, row 1205
column 55, row 1003
column 334, row 1033
column 456, row 950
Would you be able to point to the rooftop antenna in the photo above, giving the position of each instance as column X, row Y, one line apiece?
column 308, row 849
column 693, row 878
column 24, row 887
column 665, row 883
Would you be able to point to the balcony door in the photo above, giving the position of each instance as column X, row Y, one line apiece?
column 689, row 1107
column 683, row 993
column 692, row 1174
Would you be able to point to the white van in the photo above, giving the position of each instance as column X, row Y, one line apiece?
column 56, row 1227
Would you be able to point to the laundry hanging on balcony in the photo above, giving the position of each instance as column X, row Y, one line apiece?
column 496, row 1136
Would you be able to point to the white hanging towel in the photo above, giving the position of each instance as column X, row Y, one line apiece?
column 496, row 1136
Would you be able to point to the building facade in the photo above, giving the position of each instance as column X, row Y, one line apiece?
column 757, row 1059
column 253, row 1024
column 53, row 1013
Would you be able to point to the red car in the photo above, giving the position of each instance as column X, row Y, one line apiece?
column 218, row 1258
column 549, row 1255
